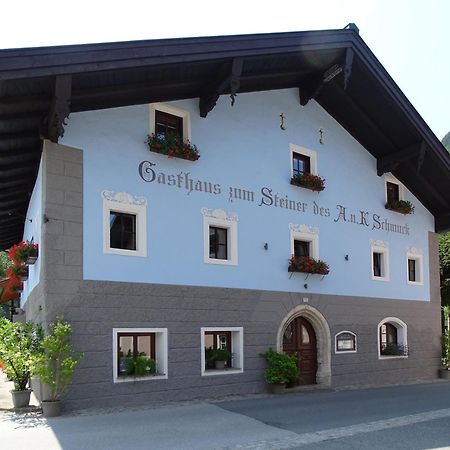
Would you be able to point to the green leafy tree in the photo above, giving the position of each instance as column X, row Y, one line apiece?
column 19, row 347
column 56, row 365
column 446, row 141
column 444, row 258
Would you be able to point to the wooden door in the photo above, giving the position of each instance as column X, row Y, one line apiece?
column 300, row 338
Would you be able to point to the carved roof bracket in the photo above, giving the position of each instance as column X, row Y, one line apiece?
column 390, row 162
column 227, row 81
column 53, row 127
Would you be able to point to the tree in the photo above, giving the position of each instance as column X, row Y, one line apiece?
column 446, row 141
column 5, row 262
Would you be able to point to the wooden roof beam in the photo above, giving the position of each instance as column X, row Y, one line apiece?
column 53, row 127
column 230, row 82
column 390, row 162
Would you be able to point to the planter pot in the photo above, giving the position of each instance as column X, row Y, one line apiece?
column 21, row 398
column 444, row 374
column 51, row 408
column 220, row 365
column 31, row 260
column 277, row 388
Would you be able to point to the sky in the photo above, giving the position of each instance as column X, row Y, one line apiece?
column 411, row 38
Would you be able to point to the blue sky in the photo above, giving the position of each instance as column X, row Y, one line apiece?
column 411, row 38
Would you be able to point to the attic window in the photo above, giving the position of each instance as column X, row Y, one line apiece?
column 166, row 123
column 392, row 192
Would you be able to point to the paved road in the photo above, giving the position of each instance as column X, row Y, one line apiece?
column 407, row 417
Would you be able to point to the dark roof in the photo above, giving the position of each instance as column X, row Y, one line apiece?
column 40, row 86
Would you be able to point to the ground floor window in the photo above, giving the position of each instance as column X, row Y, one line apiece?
column 139, row 353
column 222, row 350
column 392, row 338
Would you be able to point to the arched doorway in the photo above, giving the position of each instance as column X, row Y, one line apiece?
column 299, row 337
column 305, row 330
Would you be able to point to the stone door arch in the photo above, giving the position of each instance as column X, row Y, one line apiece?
column 323, row 336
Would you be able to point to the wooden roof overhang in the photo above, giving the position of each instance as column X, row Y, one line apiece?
column 40, row 87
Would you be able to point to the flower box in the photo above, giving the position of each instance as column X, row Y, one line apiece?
column 172, row 146
column 400, row 206
column 306, row 264
column 18, row 271
column 309, row 181
column 24, row 252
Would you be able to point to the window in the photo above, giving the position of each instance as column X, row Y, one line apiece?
column 380, row 261
column 304, row 240
column 166, row 123
column 345, row 342
column 300, row 164
column 124, row 224
column 302, row 160
column 139, row 354
column 122, row 230
column 392, row 338
column 393, row 188
column 414, row 268
column 301, row 248
column 220, row 237
column 229, row 339
column 218, row 242
column 166, row 118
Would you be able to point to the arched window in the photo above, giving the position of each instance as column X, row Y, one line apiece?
column 392, row 338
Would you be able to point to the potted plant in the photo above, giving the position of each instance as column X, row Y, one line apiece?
column 19, row 271
column 282, row 370
column 309, row 181
column 307, row 264
column 173, row 146
column 444, row 372
column 218, row 357
column 19, row 346
column 140, row 365
column 56, row 364
column 401, row 206
column 24, row 252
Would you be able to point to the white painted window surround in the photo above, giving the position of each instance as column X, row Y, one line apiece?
column 125, row 203
column 237, row 351
column 307, row 234
column 169, row 109
column 389, row 178
column 303, row 151
column 222, row 219
column 402, row 336
column 161, row 355
column 381, row 247
column 416, row 255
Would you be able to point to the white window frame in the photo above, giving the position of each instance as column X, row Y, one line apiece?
column 123, row 202
column 340, row 352
column 160, row 351
column 416, row 255
column 303, row 151
column 170, row 109
column 382, row 248
column 237, row 351
column 402, row 336
column 307, row 234
column 222, row 219
column 389, row 178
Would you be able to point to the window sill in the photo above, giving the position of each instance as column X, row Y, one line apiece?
column 123, row 252
column 415, row 283
column 380, row 279
column 212, row 372
column 146, row 378
column 392, row 357
column 221, row 262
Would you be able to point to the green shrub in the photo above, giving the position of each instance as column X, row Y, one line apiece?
column 282, row 367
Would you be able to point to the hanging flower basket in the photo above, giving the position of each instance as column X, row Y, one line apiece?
column 19, row 271
column 24, row 252
column 15, row 285
column 309, row 181
column 400, row 206
column 172, row 146
column 307, row 264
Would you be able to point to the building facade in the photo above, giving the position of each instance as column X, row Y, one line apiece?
column 153, row 255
